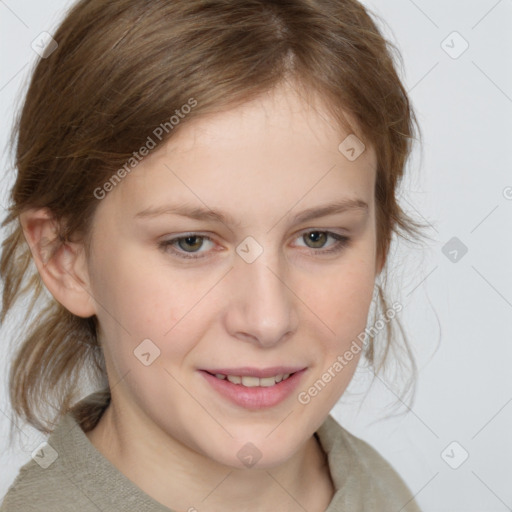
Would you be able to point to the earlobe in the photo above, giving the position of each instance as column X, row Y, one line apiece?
column 61, row 264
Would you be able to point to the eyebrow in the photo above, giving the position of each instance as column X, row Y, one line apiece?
column 199, row 213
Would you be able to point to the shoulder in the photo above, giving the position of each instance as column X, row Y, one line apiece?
column 51, row 479
column 37, row 489
column 362, row 476
column 67, row 474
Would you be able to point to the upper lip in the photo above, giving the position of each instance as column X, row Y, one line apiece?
column 249, row 371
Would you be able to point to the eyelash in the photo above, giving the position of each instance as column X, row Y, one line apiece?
column 166, row 245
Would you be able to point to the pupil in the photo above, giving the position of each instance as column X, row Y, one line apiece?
column 190, row 240
column 315, row 235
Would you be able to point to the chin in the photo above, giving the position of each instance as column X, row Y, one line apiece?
column 260, row 453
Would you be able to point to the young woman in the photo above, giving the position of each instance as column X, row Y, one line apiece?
column 208, row 192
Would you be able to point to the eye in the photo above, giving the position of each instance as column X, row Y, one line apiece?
column 318, row 239
column 187, row 246
column 190, row 243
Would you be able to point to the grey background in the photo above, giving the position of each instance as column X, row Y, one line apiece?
column 458, row 314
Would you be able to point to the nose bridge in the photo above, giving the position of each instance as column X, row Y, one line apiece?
column 264, row 302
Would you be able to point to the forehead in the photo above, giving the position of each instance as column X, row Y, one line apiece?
column 277, row 119
column 277, row 148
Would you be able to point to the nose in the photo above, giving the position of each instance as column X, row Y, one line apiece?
column 262, row 306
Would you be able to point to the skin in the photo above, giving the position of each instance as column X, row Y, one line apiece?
column 166, row 428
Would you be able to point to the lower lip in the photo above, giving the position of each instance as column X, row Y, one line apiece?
column 258, row 397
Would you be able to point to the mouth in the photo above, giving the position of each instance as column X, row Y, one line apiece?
column 250, row 381
column 253, row 388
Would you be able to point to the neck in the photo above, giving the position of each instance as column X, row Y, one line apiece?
column 183, row 479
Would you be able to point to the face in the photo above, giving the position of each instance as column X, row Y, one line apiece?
column 250, row 288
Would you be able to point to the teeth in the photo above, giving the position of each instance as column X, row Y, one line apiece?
column 268, row 381
column 251, row 382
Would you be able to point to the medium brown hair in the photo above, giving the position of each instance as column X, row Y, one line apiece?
column 120, row 70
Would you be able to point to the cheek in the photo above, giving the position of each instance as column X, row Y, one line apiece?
column 340, row 300
column 152, row 301
column 352, row 305
column 343, row 307
column 134, row 292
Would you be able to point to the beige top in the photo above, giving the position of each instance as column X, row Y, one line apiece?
column 81, row 479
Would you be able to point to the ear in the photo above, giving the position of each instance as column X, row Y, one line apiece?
column 61, row 265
